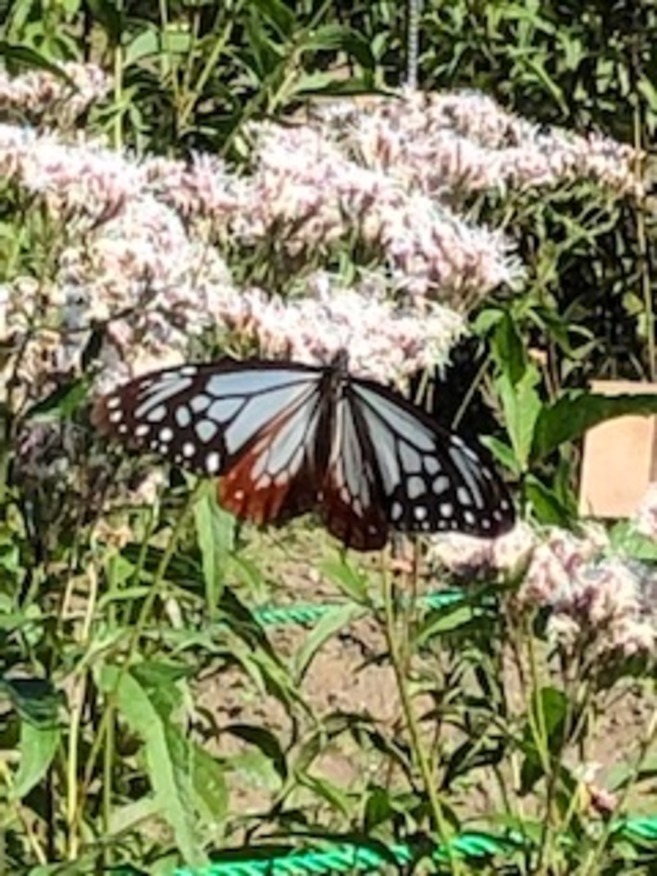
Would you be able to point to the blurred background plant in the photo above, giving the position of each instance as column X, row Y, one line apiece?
column 178, row 179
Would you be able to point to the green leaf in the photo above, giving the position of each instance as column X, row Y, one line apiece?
column 35, row 699
column 110, row 16
column 265, row 741
column 548, row 508
column 509, row 350
column 209, row 785
column 145, row 44
column 37, row 703
column 37, row 746
column 623, row 538
column 215, row 533
column 278, row 14
column 550, row 706
column 61, row 403
column 169, row 756
column 573, row 414
column 444, row 620
column 29, row 57
column 351, row 581
column 522, row 407
column 330, row 792
column 333, row 621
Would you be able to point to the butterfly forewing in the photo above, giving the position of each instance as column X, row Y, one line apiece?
column 431, row 480
column 254, row 423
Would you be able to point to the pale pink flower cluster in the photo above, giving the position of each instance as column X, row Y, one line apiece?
column 385, row 341
column 40, row 95
column 593, row 596
column 446, row 143
column 129, row 262
column 84, row 182
column 203, row 188
column 308, row 194
column 465, row 556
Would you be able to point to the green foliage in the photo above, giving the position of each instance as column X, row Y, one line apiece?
column 140, row 692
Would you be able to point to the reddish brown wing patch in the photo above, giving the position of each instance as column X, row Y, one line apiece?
column 275, row 479
column 274, row 502
column 363, row 528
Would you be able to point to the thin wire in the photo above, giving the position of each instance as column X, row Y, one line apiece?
column 413, row 13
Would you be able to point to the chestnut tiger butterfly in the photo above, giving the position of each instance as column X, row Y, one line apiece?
column 285, row 438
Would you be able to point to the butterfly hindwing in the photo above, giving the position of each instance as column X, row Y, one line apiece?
column 351, row 497
column 431, row 480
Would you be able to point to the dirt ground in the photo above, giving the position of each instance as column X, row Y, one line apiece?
column 350, row 676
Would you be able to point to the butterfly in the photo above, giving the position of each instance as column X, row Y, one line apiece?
column 285, row 438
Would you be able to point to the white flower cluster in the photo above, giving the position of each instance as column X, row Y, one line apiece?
column 594, row 595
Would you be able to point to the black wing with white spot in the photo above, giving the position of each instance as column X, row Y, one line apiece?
column 254, row 423
column 428, row 479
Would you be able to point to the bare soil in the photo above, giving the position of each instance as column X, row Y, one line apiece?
column 351, row 676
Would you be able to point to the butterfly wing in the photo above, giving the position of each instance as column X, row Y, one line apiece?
column 352, row 503
column 255, row 423
column 425, row 478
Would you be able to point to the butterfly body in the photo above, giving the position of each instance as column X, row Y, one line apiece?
column 285, row 438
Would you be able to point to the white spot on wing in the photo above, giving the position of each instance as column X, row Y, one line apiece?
column 464, row 468
column 154, row 416
column 206, row 430
column 212, row 462
column 162, row 390
column 463, row 496
column 410, row 458
column 415, row 487
column 188, row 449
column 183, row 416
column 200, row 403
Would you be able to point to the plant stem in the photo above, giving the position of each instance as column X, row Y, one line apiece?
column 398, row 665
